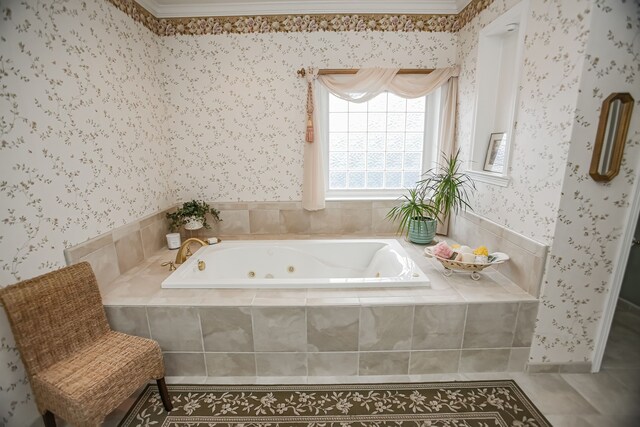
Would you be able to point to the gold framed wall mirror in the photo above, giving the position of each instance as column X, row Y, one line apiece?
column 615, row 116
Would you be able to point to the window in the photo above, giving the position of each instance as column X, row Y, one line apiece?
column 376, row 148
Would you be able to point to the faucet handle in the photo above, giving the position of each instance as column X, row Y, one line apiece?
column 171, row 265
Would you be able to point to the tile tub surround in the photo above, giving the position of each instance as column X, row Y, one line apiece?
column 359, row 340
column 527, row 257
column 457, row 325
column 120, row 250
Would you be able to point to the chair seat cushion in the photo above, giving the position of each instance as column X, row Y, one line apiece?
column 85, row 387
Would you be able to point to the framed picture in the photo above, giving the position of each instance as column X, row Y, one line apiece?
column 496, row 151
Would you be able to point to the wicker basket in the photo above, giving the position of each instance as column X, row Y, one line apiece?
column 450, row 265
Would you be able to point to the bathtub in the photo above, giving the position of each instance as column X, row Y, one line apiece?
column 274, row 264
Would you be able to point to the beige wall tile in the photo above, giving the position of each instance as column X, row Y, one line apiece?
column 264, row 221
column 104, row 263
column 226, row 329
column 525, row 325
column 386, row 328
column 438, row 326
column 332, row 364
column 328, row 220
column 332, row 328
column 154, row 238
column 492, row 360
column 233, row 222
column 295, row 221
column 184, row 364
column 384, row 363
column 490, row 325
column 73, row 254
column 518, row 358
column 380, row 223
column 230, row 364
column 279, row 329
column 175, row 328
column 130, row 320
column 281, row 364
column 434, row 362
column 129, row 250
column 125, row 230
column 356, row 221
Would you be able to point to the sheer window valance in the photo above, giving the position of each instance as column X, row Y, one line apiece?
column 361, row 87
column 367, row 83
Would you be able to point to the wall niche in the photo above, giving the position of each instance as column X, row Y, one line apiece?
column 498, row 71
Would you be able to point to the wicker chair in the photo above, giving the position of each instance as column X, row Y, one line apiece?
column 79, row 369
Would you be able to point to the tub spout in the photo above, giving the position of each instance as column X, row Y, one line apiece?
column 183, row 252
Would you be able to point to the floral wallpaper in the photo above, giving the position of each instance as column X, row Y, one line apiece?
column 82, row 149
column 237, row 117
column 576, row 53
column 554, row 50
column 591, row 215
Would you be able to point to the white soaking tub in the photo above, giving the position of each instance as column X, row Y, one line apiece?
column 273, row 264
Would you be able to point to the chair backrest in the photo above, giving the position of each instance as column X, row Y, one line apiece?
column 54, row 315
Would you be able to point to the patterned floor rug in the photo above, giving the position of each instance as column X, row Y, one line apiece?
column 453, row 404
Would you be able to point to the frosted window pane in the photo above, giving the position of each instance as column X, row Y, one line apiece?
column 338, row 122
column 379, row 103
column 416, row 105
column 395, row 122
column 357, row 141
column 396, row 103
column 337, row 105
column 337, row 180
column 412, row 161
column 395, row 141
column 394, row 161
column 338, row 141
column 338, row 161
column 357, row 161
column 355, row 107
column 355, row 180
column 393, row 179
column 409, row 178
column 376, row 144
column 375, row 179
column 357, row 122
column 376, row 141
column 377, row 122
column 413, row 141
column 415, row 122
column 375, row 161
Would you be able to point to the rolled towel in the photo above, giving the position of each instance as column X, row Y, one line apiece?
column 442, row 250
column 482, row 259
column 465, row 250
column 466, row 257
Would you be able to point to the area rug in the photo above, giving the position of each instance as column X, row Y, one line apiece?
column 451, row 404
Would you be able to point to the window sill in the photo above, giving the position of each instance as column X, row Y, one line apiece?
column 489, row 177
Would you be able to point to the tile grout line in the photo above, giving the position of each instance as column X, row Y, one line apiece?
column 204, row 356
column 464, row 328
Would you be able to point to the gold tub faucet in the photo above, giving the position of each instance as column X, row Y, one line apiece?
column 184, row 253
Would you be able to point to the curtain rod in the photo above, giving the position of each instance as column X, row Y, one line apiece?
column 302, row 72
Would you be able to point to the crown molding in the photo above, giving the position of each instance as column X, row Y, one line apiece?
column 289, row 7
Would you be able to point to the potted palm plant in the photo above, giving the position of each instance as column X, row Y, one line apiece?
column 444, row 189
column 193, row 215
column 416, row 215
column 449, row 188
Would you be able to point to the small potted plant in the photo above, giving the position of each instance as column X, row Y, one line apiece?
column 193, row 215
column 417, row 216
column 443, row 190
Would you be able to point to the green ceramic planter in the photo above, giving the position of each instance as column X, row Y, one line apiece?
column 422, row 231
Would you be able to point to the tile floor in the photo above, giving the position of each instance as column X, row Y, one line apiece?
column 609, row 398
